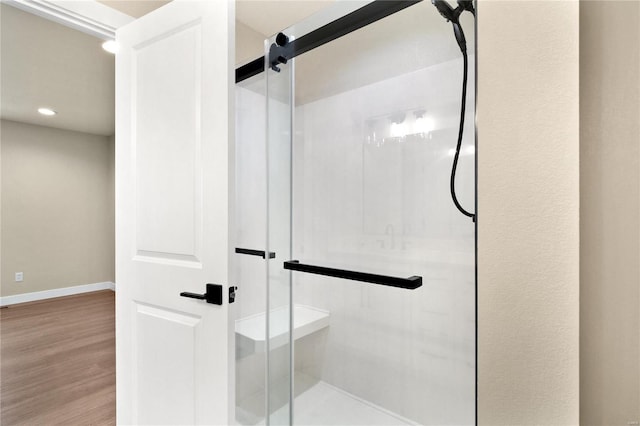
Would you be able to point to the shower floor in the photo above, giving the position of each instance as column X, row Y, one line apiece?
column 320, row 403
column 324, row 404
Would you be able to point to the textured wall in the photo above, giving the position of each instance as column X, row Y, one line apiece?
column 609, row 212
column 57, row 208
column 528, row 247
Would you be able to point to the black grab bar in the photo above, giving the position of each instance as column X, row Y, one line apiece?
column 410, row 283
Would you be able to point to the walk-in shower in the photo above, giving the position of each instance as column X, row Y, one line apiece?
column 356, row 272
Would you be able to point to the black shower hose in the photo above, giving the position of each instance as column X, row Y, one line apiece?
column 460, row 134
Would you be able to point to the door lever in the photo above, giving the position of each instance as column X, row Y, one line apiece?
column 213, row 294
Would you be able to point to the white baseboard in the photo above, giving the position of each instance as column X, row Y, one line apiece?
column 58, row 292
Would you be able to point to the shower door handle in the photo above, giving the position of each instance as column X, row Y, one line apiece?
column 253, row 252
column 410, row 283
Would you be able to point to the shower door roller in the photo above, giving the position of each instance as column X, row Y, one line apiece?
column 213, row 294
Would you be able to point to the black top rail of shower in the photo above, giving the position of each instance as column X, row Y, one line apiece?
column 252, row 252
column 410, row 283
column 283, row 50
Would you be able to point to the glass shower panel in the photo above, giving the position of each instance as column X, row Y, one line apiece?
column 251, row 202
column 376, row 119
column 279, row 95
column 263, row 239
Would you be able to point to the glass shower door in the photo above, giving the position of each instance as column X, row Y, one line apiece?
column 279, row 98
column 371, row 277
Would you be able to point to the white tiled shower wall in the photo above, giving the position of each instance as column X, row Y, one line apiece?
column 386, row 207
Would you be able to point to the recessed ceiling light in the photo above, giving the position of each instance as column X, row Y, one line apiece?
column 110, row 46
column 46, row 111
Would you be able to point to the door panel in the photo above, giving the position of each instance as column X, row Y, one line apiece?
column 165, row 169
column 157, row 331
column 174, row 148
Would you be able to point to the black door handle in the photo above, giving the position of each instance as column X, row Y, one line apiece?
column 193, row 295
column 213, row 294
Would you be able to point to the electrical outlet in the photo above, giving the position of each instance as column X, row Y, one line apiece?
column 19, row 277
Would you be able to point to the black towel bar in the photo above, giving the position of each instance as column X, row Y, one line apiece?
column 410, row 283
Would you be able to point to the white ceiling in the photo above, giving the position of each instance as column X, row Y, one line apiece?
column 134, row 8
column 270, row 16
column 47, row 64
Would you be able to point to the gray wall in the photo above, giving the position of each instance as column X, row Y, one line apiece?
column 57, row 208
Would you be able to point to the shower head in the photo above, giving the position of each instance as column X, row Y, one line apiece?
column 467, row 5
column 445, row 9
column 452, row 15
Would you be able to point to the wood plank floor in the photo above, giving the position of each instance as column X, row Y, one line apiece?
column 57, row 361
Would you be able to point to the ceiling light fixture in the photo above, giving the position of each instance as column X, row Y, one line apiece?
column 46, row 111
column 110, row 46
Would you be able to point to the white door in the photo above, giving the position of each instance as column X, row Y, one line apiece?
column 174, row 151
